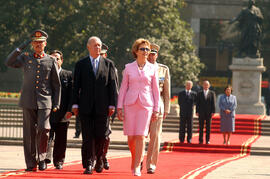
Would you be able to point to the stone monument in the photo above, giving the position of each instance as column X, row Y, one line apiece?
column 246, row 82
column 247, row 68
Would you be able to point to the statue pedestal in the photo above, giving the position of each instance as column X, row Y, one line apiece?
column 246, row 82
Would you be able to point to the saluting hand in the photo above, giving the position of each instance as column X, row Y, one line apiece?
column 24, row 44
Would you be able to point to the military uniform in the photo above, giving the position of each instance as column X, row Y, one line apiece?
column 156, row 126
column 103, row 51
column 39, row 94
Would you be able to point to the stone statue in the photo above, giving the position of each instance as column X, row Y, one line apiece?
column 250, row 25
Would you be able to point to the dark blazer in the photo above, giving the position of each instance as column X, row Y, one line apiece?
column 92, row 92
column 206, row 106
column 186, row 103
column 66, row 97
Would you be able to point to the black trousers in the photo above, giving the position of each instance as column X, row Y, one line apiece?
column 57, row 141
column 186, row 125
column 77, row 126
column 106, row 147
column 205, row 119
column 267, row 109
column 95, row 129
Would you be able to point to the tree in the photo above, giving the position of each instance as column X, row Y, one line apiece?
column 118, row 23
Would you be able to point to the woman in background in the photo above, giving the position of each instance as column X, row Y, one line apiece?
column 139, row 96
column 227, row 105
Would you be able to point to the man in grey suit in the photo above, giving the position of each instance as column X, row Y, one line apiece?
column 40, row 93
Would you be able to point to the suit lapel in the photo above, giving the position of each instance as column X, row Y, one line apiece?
column 146, row 68
column 61, row 74
column 100, row 66
column 204, row 96
column 88, row 64
column 207, row 96
column 136, row 68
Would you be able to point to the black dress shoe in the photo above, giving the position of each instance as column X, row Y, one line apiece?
column 106, row 164
column 76, row 136
column 88, row 170
column 200, row 142
column 47, row 160
column 150, row 171
column 31, row 169
column 99, row 166
column 207, row 142
column 59, row 166
column 42, row 165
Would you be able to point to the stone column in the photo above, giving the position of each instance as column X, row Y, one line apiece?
column 246, row 82
column 195, row 26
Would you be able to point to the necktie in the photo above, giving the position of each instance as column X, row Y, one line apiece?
column 95, row 66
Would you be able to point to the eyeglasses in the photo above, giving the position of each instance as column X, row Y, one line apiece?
column 144, row 49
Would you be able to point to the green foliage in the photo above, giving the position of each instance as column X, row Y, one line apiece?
column 118, row 23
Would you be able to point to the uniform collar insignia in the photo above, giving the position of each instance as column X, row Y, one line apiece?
column 39, row 56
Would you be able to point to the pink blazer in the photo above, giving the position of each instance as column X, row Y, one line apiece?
column 142, row 84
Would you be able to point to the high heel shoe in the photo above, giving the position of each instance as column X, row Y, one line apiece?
column 137, row 171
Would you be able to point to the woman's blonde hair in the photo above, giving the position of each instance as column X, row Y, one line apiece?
column 136, row 45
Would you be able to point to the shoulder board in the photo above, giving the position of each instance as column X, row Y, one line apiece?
column 52, row 57
column 162, row 65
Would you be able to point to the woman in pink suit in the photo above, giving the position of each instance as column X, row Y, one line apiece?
column 139, row 96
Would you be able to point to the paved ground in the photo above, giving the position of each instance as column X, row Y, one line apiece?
column 12, row 158
column 250, row 167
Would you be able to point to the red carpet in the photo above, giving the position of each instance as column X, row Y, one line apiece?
column 176, row 160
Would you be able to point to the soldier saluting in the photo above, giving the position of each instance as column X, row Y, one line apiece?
column 39, row 94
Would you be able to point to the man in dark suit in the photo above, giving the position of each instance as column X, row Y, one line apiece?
column 205, row 108
column 94, row 99
column 59, row 120
column 40, row 93
column 186, row 101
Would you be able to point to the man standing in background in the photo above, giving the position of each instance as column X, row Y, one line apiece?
column 164, row 109
column 59, row 120
column 186, row 101
column 40, row 93
column 205, row 109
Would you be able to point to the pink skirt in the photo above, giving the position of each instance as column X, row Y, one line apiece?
column 137, row 119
